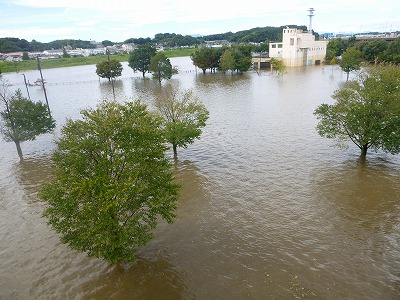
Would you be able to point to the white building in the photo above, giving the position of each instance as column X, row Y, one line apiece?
column 298, row 49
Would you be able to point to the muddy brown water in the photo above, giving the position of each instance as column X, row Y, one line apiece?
column 268, row 210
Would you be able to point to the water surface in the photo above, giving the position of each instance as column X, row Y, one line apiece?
column 268, row 210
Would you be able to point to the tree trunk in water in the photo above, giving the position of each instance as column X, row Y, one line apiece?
column 175, row 151
column 19, row 150
column 364, row 151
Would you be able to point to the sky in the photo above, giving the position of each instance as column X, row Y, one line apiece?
column 118, row 20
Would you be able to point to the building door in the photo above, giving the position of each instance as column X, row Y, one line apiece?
column 305, row 50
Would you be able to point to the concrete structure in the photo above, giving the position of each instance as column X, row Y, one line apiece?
column 298, row 49
column 261, row 61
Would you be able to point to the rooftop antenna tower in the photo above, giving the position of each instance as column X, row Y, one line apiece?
column 311, row 14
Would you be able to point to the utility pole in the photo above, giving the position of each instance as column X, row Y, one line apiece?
column 44, row 88
column 26, row 85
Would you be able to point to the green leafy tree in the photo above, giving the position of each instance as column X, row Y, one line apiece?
column 23, row 119
column 336, row 47
column 373, row 51
column 65, row 54
column 107, row 43
column 109, row 69
column 392, row 54
column 112, row 181
column 367, row 111
column 184, row 117
column 277, row 65
column 243, row 64
column 161, row 68
column 351, row 60
column 227, row 62
column 25, row 56
column 139, row 59
column 204, row 58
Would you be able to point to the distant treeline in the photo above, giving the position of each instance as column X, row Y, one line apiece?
column 255, row 35
column 16, row 45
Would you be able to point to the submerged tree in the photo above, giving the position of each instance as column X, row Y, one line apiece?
column 184, row 117
column 204, row 58
column 161, row 68
column 139, row 59
column 367, row 111
column 112, row 181
column 109, row 69
column 23, row 119
column 351, row 60
column 277, row 65
column 227, row 62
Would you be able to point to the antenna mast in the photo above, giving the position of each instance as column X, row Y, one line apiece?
column 311, row 14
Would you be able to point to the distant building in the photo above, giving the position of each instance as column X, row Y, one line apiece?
column 53, row 53
column 217, row 43
column 298, row 49
column 76, row 52
column 92, row 52
column 128, row 47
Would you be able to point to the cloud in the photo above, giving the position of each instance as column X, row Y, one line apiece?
column 122, row 19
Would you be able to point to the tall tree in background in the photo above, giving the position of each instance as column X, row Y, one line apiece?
column 23, row 119
column 139, row 59
column 65, row 54
column 351, row 60
column 392, row 53
column 367, row 111
column 373, row 51
column 227, row 62
column 112, row 181
column 109, row 69
column 25, row 56
column 161, row 68
column 184, row 117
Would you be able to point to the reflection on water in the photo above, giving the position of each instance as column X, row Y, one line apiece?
column 32, row 173
column 268, row 208
column 153, row 278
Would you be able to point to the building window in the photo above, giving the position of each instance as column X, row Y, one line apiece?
column 291, row 41
column 273, row 45
column 279, row 45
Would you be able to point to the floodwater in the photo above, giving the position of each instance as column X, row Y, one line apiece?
column 268, row 210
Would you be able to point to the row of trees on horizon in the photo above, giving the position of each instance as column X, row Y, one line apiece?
column 254, row 35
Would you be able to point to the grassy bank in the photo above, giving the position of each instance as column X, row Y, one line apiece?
column 8, row 66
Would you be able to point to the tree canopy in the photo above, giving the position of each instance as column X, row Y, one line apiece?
column 278, row 66
column 175, row 40
column 210, row 58
column 204, row 58
column 351, row 60
column 112, row 181
column 23, row 119
column 109, row 69
column 161, row 68
column 184, row 116
column 139, row 59
column 227, row 62
column 366, row 111
column 373, row 51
